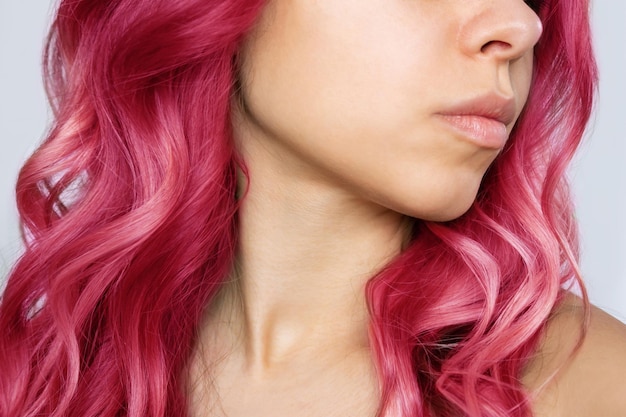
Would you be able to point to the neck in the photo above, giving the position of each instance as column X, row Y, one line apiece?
column 306, row 250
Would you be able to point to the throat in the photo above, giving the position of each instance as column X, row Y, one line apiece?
column 268, row 334
column 223, row 385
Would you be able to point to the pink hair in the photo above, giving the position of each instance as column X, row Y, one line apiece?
column 129, row 219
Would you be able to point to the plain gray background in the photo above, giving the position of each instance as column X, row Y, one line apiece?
column 599, row 172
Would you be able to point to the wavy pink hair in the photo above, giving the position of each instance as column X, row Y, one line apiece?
column 129, row 219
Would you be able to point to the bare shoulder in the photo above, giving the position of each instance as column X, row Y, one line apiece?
column 592, row 381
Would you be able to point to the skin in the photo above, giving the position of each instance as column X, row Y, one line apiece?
column 591, row 381
column 339, row 129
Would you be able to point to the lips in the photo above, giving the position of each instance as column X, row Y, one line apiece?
column 483, row 120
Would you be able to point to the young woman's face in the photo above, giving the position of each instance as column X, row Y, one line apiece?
column 401, row 102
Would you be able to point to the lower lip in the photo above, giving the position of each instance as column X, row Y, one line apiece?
column 482, row 131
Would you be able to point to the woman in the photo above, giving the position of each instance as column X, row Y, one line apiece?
column 308, row 208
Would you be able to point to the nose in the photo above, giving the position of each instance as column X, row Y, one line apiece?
column 500, row 29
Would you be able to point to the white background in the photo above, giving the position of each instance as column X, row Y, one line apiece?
column 599, row 172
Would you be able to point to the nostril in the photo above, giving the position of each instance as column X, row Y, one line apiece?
column 493, row 46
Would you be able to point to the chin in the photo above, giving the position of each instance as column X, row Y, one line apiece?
column 445, row 214
column 441, row 207
column 449, row 214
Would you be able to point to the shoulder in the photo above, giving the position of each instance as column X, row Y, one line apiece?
column 591, row 381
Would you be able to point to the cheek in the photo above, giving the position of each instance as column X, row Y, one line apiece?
column 325, row 76
column 521, row 75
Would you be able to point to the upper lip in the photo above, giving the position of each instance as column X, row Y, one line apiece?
column 491, row 106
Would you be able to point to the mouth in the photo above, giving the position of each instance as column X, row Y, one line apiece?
column 483, row 120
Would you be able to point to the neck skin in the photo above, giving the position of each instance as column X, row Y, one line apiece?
column 306, row 250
